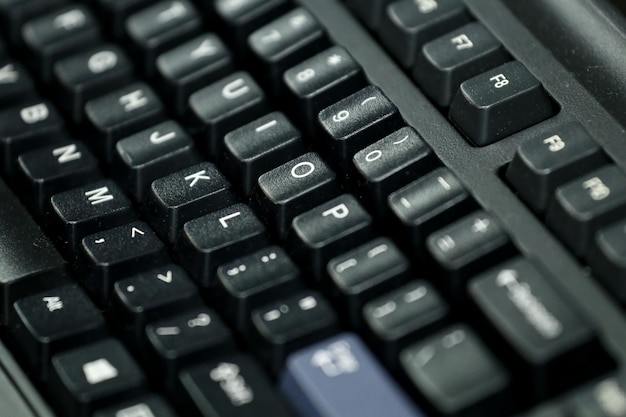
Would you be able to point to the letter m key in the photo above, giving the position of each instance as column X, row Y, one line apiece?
column 99, row 196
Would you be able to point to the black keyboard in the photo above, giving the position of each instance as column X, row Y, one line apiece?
column 312, row 208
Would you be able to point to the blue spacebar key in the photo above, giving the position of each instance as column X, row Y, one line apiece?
column 341, row 378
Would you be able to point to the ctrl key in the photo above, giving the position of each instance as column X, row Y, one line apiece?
column 457, row 375
column 341, row 378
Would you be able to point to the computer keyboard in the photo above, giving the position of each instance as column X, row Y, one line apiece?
column 308, row 208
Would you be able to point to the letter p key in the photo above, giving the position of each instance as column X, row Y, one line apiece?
column 339, row 212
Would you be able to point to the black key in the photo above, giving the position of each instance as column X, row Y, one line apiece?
column 391, row 163
column 53, row 169
column 161, row 26
column 607, row 258
column 364, row 272
column 216, row 238
column 149, row 296
column 593, row 399
column 16, row 85
column 357, row 121
column 290, row 324
column 231, row 385
column 150, row 154
column 11, row 395
column 321, row 81
column 286, row 42
column 52, row 321
column 408, row 24
column 458, row 375
column 190, row 337
column 150, row 405
column 120, row 114
column 14, row 13
column 292, row 188
column 116, row 12
column 586, row 204
column 404, row 316
column 428, row 204
column 370, row 12
column 446, row 62
column 223, row 107
column 331, row 228
column 549, row 160
column 57, row 35
column 258, row 147
column 252, row 281
column 186, row 195
column 466, row 247
column 90, row 74
column 89, row 209
column 117, row 253
column 29, row 262
column 94, row 376
column 243, row 17
column 500, row 102
column 191, row 66
column 23, row 128
column 547, row 343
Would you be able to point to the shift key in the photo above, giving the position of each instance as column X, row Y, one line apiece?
column 549, row 345
column 341, row 378
column 28, row 260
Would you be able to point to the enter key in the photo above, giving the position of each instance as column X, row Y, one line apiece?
column 538, row 331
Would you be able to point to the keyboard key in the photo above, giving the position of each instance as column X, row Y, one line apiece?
column 293, row 188
column 321, row 81
column 191, row 66
column 446, row 62
column 87, row 75
column 16, row 85
column 146, row 406
column 259, row 147
column 23, row 128
column 364, row 272
column 466, row 247
column 57, row 35
column 607, row 258
column 339, row 377
column 11, row 395
column 110, row 255
column 428, row 204
column 14, row 13
column 159, row 27
column 186, row 195
column 289, row 324
column 586, row 204
column 241, row 18
column 29, row 263
column 89, row 209
column 216, row 238
column 151, row 295
column 250, row 282
column 286, row 42
column 404, row 316
column 94, row 376
column 150, row 154
column 190, row 337
column 326, row 230
column 548, row 161
column 52, row 169
column 52, row 321
column 231, row 385
column 223, row 107
column 547, row 343
column 592, row 400
column 121, row 113
column 391, row 163
column 408, row 24
column 356, row 122
column 500, row 102
column 457, row 375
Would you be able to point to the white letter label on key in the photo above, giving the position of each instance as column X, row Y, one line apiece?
column 195, row 177
column 34, row 114
column 102, row 61
column 235, row 89
column 224, row 220
column 157, row 138
column 133, row 101
column 339, row 212
column 99, row 196
column 66, row 154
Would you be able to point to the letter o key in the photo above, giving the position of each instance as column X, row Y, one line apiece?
column 302, row 169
